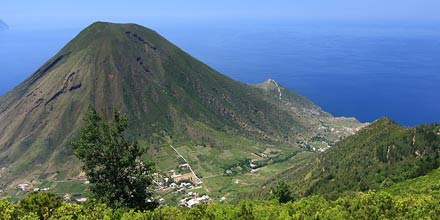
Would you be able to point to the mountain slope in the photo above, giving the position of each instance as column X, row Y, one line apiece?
column 166, row 94
column 376, row 157
column 427, row 184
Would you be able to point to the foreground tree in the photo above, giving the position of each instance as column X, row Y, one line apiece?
column 282, row 192
column 117, row 174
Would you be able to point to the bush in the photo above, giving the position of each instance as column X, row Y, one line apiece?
column 43, row 204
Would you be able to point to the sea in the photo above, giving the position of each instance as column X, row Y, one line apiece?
column 366, row 71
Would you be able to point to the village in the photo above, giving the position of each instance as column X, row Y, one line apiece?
column 178, row 183
column 29, row 186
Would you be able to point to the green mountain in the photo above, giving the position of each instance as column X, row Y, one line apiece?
column 170, row 98
column 376, row 157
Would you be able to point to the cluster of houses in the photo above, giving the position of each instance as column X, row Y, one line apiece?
column 29, row 187
column 191, row 199
column 323, row 146
column 176, row 182
column 41, row 189
column 67, row 198
column 172, row 180
column 24, row 186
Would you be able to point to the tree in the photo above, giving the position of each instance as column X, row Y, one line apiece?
column 117, row 174
column 282, row 192
column 43, row 204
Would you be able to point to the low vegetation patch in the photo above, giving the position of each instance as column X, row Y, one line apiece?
column 370, row 205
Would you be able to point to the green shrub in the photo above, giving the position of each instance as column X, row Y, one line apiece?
column 43, row 204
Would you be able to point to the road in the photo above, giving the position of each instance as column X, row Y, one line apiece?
column 190, row 168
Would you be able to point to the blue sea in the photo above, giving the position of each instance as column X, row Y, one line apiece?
column 360, row 70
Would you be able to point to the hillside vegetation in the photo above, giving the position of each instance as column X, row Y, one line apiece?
column 378, row 156
column 427, row 184
column 368, row 206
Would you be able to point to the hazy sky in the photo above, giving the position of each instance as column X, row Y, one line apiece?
column 81, row 12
